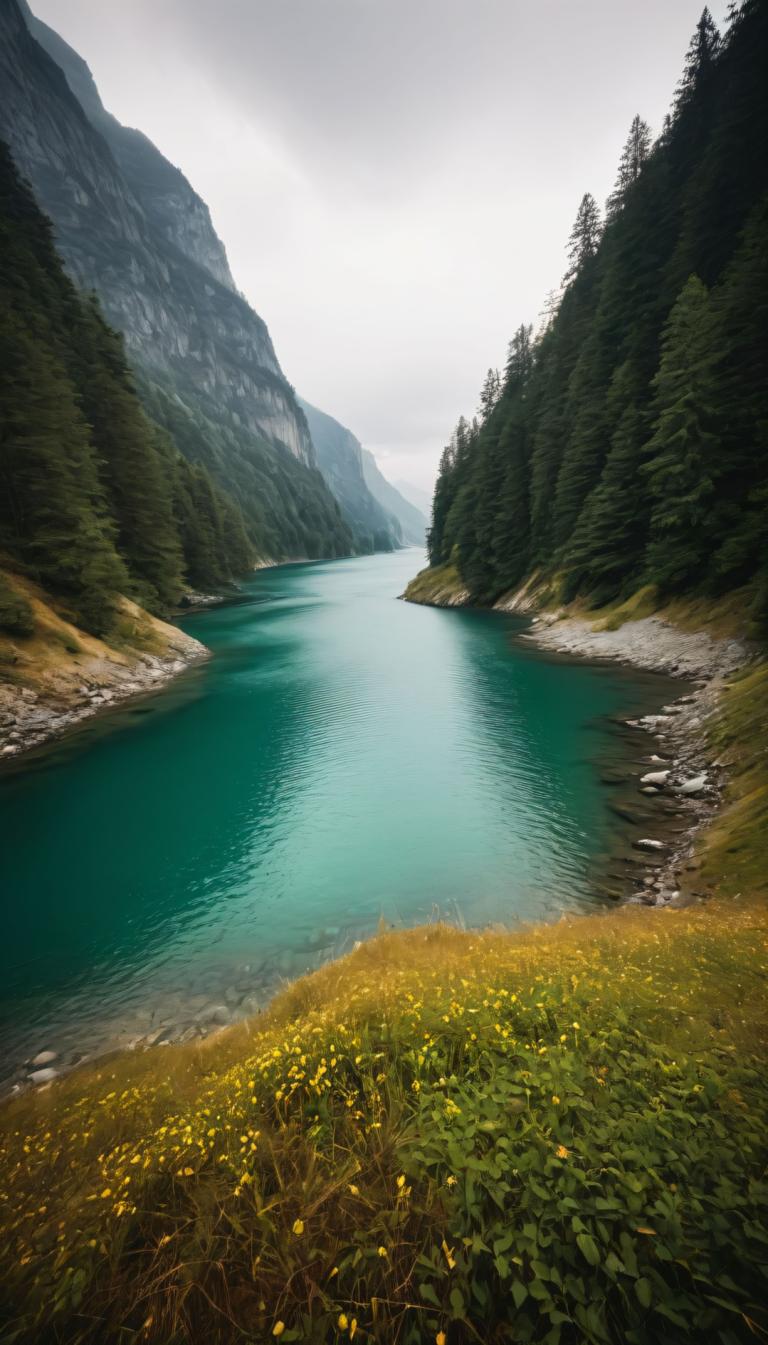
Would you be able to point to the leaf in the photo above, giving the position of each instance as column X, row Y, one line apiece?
column 519, row 1293
column 588, row 1248
column 457, row 1302
column 427, row 1292
column 643, row 1291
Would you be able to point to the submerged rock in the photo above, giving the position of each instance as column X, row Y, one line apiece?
column 647, row 843
column 40, row 1076
column 655, row 778
column 44, row 1058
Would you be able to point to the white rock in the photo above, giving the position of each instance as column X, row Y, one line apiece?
column 645, row 843
column 39, row 1076
column 44, row 1058
column 693, row 786
column 655, row 778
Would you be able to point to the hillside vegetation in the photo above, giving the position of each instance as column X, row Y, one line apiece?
column 94, row 498
column 625, row 444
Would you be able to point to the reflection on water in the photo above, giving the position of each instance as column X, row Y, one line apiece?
column 344, row 756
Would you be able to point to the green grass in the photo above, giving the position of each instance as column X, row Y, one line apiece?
column 551, row 1136
column 436, row 584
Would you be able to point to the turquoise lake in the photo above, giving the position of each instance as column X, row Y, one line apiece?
column 342, row 757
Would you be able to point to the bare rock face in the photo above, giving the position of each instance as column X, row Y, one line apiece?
column 129, row 226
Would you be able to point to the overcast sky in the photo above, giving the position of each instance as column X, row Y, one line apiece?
column 394, row 180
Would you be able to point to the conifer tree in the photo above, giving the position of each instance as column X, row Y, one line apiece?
column 489, row 394
column 682, row 452
column 634, row 156
column 584, row 236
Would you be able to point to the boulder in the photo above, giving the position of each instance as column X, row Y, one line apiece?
column 655, row 778
column 40, row 1076
column 214, row 1013
column 694, row 785
column 646, row 843
column 44, row 1058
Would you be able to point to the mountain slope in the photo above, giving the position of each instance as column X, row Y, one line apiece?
column 412, row 522
column 627, row 445
column 129, row 227
column 339, row 457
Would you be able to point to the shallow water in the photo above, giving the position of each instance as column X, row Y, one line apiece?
column 342, row 757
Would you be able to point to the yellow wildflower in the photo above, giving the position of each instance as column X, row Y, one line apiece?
column 555, row 1099
column 562, row 1152
column 298, row 1227
column 353, row 1190
column 352, row 1328
column 401, row 1181
column 440, row 1338
column 343, row 1322
column 383, row 1251
column 278, row 1328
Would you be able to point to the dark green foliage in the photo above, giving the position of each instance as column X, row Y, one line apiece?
column 15, row 612
column 631, row 446
column 94, row 498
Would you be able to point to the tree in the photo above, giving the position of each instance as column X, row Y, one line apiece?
column 584, row 236
column 489, row 394
column 634, row 155
column 699, row 62
column 682, row 453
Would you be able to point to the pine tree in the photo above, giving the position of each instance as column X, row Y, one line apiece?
column 682, row 453
column 634, row 155
column 489, row 394
column 584, row 237
column 700, row 61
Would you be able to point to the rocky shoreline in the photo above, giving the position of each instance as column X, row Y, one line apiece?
column 31, row 718
column 680, row 775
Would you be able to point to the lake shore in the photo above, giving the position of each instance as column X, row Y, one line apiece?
column 683, row 776
column 65, row 677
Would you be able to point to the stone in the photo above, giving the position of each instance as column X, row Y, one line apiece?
column 655, row 778
column 646, row 843
column 41, row 1076
column 44, row 1058
column 214, row 1013
column 649, row 789
column 694, row 785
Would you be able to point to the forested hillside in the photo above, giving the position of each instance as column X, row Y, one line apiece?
column 94, row 497
column 129, row 227
column 626, row 442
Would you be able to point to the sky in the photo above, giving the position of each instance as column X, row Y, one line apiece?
column 394, row 180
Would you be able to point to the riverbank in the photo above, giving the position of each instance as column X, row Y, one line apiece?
column 58, row 676
column 684, row 775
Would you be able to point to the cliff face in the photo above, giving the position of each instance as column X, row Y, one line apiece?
column 129, row 226
column 340, row 459
column 413, row 524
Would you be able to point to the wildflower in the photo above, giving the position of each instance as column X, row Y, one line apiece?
column 450, row 1181
column 278, row 1328
column 575, row 1025
column 343, row 1322
column 448, row 1253
column 352, row 1328
column 401, row 1181
column 555, row 1099
column 298, row 1227
column 353, row 1190
column 382, row 1251
column 440, row 1338
column 562, row 1152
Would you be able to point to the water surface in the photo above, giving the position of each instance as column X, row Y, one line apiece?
column 342, row 757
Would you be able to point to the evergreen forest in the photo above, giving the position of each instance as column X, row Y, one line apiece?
column 626, row 441
column 95, row 499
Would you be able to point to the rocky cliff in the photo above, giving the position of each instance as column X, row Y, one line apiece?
column 130, row 227
column 413, row 524
column 340, row 459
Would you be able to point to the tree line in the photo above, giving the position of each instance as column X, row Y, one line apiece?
column 95, row 498
column 626, row 441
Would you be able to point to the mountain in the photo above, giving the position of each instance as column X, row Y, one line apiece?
column 420, row 499
column 339, row 457
column 95, row 499
column 129, row 226
column 413, row 524
column 627, row 445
